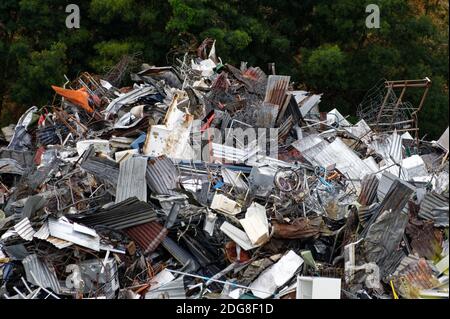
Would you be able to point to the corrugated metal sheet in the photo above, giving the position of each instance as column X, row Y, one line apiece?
column 395, row 150
column 365, row 213
column 131, row 181
column 414, row 274
column 381, row 147
column 180, row 254
column 255, row 73
column 387, row 225
column 266, row 115
column 171, row 290
column 74, row 233
column 345, row 159
column 306, row 105
column 162, row 176
column 148, row 235
column 310, row 146
column 105, row 170
column 128, row 213
column 369, row 186
column 392, row 262
column 443, row 140
column 230, row 154
column 397, row 196
column 58, row 243
column 24, row 229
column 386, row 181
column 44, row 234
column 426, row 240
column 277, row 86
column 44, row 273
column 389, row 147
column 129, row 97
column 285, row 127
column 435, row 207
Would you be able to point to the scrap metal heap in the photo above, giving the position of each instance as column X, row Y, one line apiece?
column 203, row 180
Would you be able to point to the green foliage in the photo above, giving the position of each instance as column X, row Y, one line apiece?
column 37, row 72
column 238, row 39
column 108, row 10
column 109, row 52
column 324, row 45
column 325, row 66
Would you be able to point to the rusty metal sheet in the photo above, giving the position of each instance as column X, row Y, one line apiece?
column 300, row 228
column 369, row 186
column 277, row 86
column 413, row 277
column 426, row 240
column 148, row 236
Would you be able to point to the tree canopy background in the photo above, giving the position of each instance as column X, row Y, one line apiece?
column 323, row 44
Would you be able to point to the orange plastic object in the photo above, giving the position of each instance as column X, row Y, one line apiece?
column 333, row 175
column 78, row 97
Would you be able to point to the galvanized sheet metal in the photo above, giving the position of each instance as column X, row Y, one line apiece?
column 162, row 176
column 44, row 234
column 395, row 150
column 131, row 181
column 105, row 170
column 180, row 254
column 24, row 229
column 443, row 141
column 435, row 207
column 128, row 213
column 64, row 230
column 129, row 97
column 345, row 159
column 44, row 273
column 171, row 290
column 369, row 186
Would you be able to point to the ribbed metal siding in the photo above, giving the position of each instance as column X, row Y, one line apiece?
column 432, row 206
column 45, row 275
column 130, row 212
column 24, row 229
column 146, row 233
column 162, row 176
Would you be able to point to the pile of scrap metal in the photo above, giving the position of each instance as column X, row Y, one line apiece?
column 152, row 191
